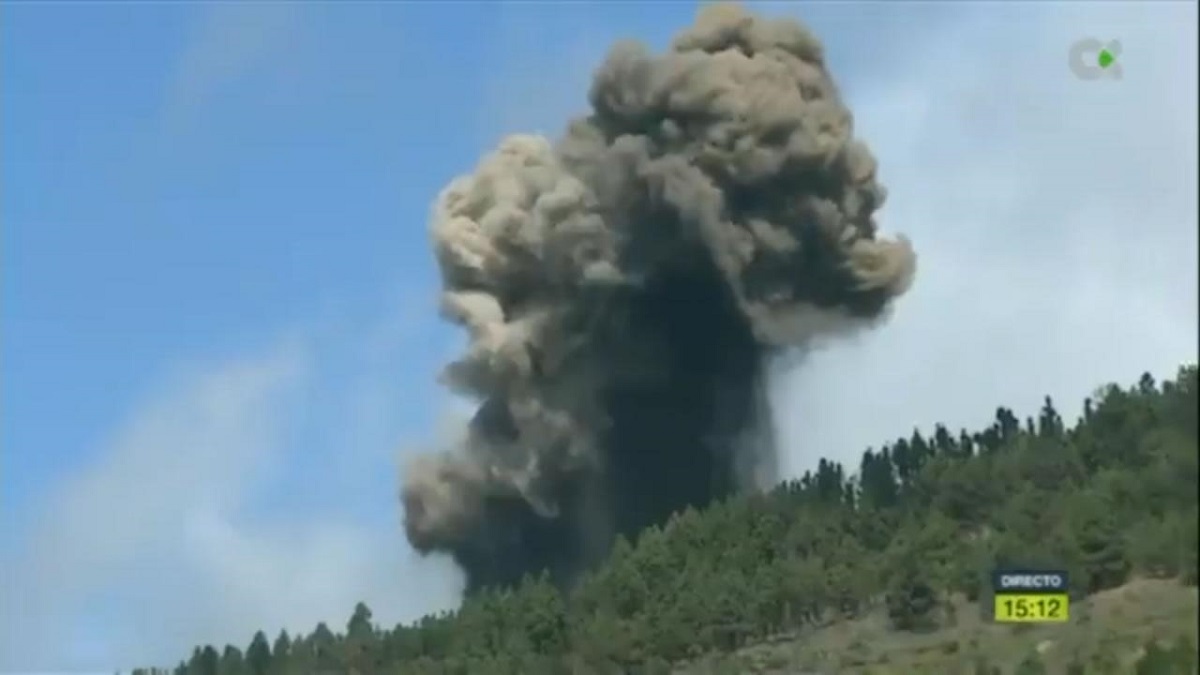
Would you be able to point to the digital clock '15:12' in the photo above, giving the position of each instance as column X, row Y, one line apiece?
column 1032, row 607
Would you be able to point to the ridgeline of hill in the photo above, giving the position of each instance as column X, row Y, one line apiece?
column 882, row 571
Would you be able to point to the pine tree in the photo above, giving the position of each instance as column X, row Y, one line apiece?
column 324, row 648
column 209, row 661
column 1099, row 542
column 258, row 654
column 231, row 662
column 359, row 625
column 281, row 654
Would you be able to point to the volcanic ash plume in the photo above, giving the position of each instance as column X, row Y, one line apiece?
column 624, row 287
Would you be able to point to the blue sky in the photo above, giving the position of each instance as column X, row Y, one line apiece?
column 219, row 337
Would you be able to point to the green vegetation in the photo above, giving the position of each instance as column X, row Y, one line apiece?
column 827, row 571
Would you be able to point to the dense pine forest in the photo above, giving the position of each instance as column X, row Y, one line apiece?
column 919, row 521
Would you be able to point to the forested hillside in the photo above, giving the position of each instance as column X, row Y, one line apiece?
column 919, row 521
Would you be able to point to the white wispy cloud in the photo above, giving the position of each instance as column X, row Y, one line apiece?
column 1054, row 219
column 188, row 453
column 164, row 541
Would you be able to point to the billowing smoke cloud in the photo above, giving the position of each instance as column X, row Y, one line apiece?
column 625, row 287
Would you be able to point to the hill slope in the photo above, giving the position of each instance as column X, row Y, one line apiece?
column 1108, row 634
column 879, row 571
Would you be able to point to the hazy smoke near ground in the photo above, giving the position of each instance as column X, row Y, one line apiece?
column 624, row 288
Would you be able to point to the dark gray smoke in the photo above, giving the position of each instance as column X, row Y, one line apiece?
column 624, row 288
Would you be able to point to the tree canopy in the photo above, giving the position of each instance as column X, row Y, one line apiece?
column 919, row 519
